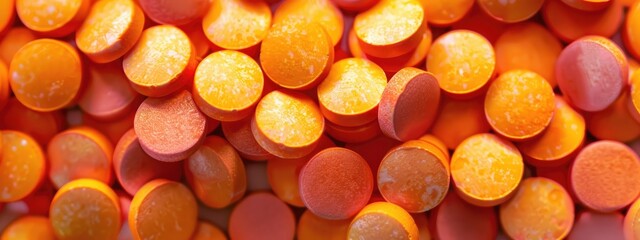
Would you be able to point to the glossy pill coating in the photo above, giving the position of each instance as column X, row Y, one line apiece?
column 53, row 18
column 237, row 24
column 22, row 165
column 511, row 11
column 383, row 220
column 324, row 12
column 29, row 227
column 13, row 40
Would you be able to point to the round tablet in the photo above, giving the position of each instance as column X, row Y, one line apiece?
column 108, row 94
column 604, row 176
column 38, row 82
column 174, row 12
column 262, row 216
column 312, row 227
column 161, row 62
column 29, row 227
column 237, row 24
column 22, row 165
column 595, row 225
column 570, row 24
column 53, row 18
column 324, row 12
column 456, row 219
column 336, row 183
column 541, row 208
column 615, row 122
column 85, row 209
column 170, row 128
column 511, row 11
column 207, row 231
column 444, row 13
column 350, row 94
column 239, row 135
column 486, row 169
column 631, row 30
column 13, row 40
column 42, row 126
column 383, row 220
column 519, row 104
column 459, row 119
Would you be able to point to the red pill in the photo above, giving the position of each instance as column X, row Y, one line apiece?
column 174, row 12
column 594, row 225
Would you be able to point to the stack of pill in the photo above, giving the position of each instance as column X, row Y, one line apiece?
column 319, row 119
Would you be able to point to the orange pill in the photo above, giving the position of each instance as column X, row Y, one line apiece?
column 479, row 21
column 486, row 169
column 390, row 28
column 519, row 104
column 171, row 128
column 80, row 152
column 588, row 5
column 383, row 220
column 457, row 219
column 42, row 126
column 336, row 183
column 423, row 226
column 161, row 62
column 463, row 62
column 409, row 104
column 355, row 134
column 633, row 101
column 435, row 141
column 163, row 209
column 355, row 5
column 113, row 129
column 239, row 135
column 261, row 216
column 586, row 88
column 134, row 168
column 605, row 186
column 323, row 12
column 53, row 18
column 631, row 30
column 5, row 92
column 373, row 151
column 22, row 165
column 174, row 12
column 459, row 119
column 414, row 176
column 110, row 30
column 511, row 11
column 312, row 227
column 528, row 46
column 198, row 39
column 570, row 24
column 291, row 137
column 237, row 24
column 296, row 54
column 445, row 13
column 593, row 225
column 38, row 82
column 7, row 14
column 85, row 209
column 616, row 122
column 350, row 94
column 631, row 222
column 13, row 40
column 227, row 85
column 207, row 231
column 29, row 227
column 541, row 208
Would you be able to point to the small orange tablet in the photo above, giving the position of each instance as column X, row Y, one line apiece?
column 610, row 185
column 570, row 24
column 456, row 219
column 227, row 85
column 511, row 11
column 29, row 227
column 631, row 30
column 237, row 24
column 540, row 209
column 445, row 13
column 85, row 209
column 110, row 30
column 39, row 82
column 262, row 216
column 312, row 227
column 519, row 104
column 350, row 94
column 239, row 135
column 7, row 14
column 595, row 225
column 459, row 119
column 293, row 136
column 355, row 134
column 409, row 104
column 588, row 5
column 13, row 40
column 163, row 209
column 324, row 12
column 174, row 12
column 53, row 18
column 207, row 231
column 216, row 173
column 296, row 54
column 463, row 62
column 615, row 122
column 161, row 62
column 22, row 165
column 336, row 183
column 383, row 220
column 42, row 126
column 80, row 152
column 170, row 128
column 486, row 169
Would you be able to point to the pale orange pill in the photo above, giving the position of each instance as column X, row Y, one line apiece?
column 383, row 220
column 85, row 209
column 80, row 152
column 312, row 227
column 42, row 126
column 570, row 24
column 444, row 13
column 588, row 5
column 7, row 14
column 216, row 173
column 237, row 24
column 39, row 82
column 409, row 104
column 541, row 208
column 350, row 94
column 511, row 11
column 227, row 85
column 29, row 227
column 170, row 128
column 459, row 119
column 463, row 62
column 22, row 165
column 262, row 216
column 110, row 30
column 13, row 40
column 174, row 12
column 324, row 12
column 296, row 54
column 163, row 209
column 355, row 134
column 291, row 137
column 594, row 225
column 161, row 62
column 486, row 169
column 390, row 28
column 615, row 122
column 239, row 135
column 631, row 30
column 519, row 104
column 53, row 18
column 456, row 219
column 207, row 231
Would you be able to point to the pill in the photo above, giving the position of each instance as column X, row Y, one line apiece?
column 423, row 226
column 323, row 12
column 237, row 24
column 373, row 151
column 594, row 225
column 174, row 12
column 511, row 11
column 29, row 227
column 22, row 165
column 479, row 21
column 336, row 183
column 459, row 119
column 614, row 122
column 486, row 169
column 633, row 102
column 13, row 40
column 39, row 201
column 355, row 5
column 570, row 24
column 445, row 13
column 38, row 82
column 631, row 220
column 631, row 30
column 199, row 40
column 5, row 91
column 163, row 209
column 262, row 216
column 85, row 209
column 435, row 141
column 593, row 182
column 52, row 18
column 7, row 14
column 541, row 208
column 312, row 227
column 113, row 129
column 207, row 231
column 355, row 134
column 588, row 5
column 456, row 219
column 383, row 220
column 239, row 135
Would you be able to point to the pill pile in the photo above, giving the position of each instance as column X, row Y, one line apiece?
column 319, row 119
